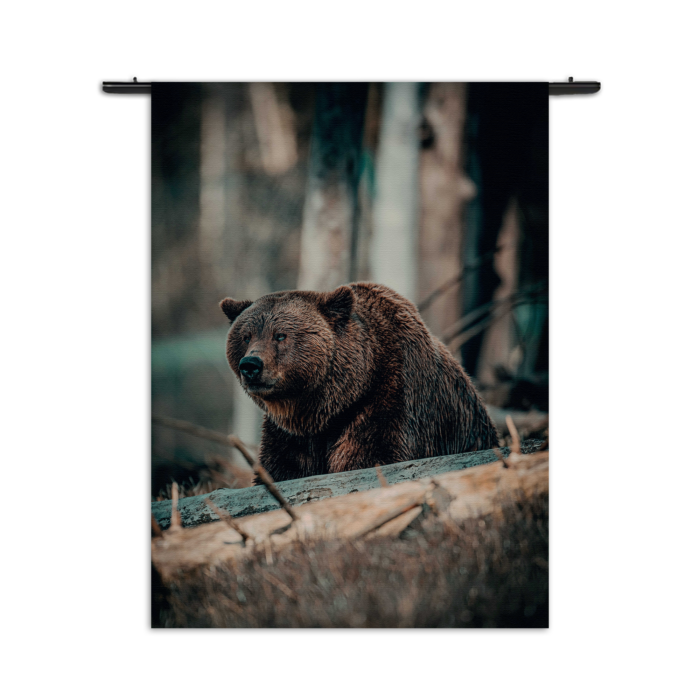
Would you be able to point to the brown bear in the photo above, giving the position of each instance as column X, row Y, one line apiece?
column 350, row 379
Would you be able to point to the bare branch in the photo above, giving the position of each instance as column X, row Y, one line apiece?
column 231, row 441
column 205, row 434
column 277, row 583
column 226, row 517
column 445, row 286
column 175, row 520
column 513, row 435
column 500, row 456
column 386, row 517
column 262, row 474
column 156, row 530
column 462, row 325
column 462, row 338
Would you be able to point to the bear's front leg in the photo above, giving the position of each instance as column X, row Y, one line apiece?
column 287, row 456
column 367, row 442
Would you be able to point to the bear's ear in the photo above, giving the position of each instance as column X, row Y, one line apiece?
column 338, row 304
column 233, row 308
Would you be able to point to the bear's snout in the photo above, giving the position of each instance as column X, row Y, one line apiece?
column 250, row 366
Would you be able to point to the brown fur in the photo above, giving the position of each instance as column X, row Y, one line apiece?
column 357, row 381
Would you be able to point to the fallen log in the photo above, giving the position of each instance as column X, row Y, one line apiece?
column 257, row 499
column 453, row 497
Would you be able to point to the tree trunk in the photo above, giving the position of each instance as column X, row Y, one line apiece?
column 257, row 499
column 274, row 125
column 453, row 497
column 395, row 230
column 329, row 229
column 444, row 190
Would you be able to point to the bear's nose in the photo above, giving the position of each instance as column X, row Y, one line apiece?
column 250, row 366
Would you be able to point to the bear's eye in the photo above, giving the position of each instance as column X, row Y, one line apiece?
column 246, row 339
column 280, row 336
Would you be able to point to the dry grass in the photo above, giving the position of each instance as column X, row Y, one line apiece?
column 491, row 572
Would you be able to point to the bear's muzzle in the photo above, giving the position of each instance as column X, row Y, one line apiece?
column 251, row 366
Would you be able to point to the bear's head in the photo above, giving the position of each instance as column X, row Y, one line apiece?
column 290, row 352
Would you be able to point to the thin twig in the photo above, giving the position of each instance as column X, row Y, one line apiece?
column 175, row 519
column 473, row 267
column 458, row 341
column 472, row 317
column 206, row 434
column 277, row 583
column 462, row 338
column 381, row 477
column 513, row 435
column 262, row 474
column 156, row 530
column 231, row 441
column 226, row 518
column 387, row 517
column 268, row 551
column 500, row 456
column 522, row 296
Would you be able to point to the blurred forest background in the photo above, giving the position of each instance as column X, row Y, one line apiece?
column 439, row 190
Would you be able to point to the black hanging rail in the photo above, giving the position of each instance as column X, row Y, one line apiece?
column 134, row 88
column 573, row 87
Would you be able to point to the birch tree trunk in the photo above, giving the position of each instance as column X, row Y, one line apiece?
column 395, row 230
column 329, row 229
